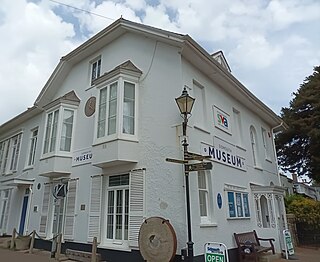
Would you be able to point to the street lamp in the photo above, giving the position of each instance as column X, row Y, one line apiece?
column 185, row 104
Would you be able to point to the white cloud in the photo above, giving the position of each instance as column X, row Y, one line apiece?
column 255, row 52
column 259, row 38
column 35, row 39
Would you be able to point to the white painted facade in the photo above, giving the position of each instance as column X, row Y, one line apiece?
column 227, row 119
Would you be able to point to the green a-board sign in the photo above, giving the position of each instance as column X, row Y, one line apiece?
column 288, row 243
column 215, row 252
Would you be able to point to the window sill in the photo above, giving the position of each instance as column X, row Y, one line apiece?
column 206, row 225
column 269, row 160
column 65, row 155
column 201, row 129
column 108, row 140
column 258, row 168
column 238, row 218
column 27, row 168
column 241, row 148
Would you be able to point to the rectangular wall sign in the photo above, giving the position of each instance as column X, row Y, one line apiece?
column 224, row 153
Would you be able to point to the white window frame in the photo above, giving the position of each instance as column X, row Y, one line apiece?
column 123, row 243
column 119, row 134
column 241, row 206
column 266, row 144
column 254, row 147
column 4, row 156
column 57, row 150
column 9, row 154
column 94, row 75
column 206, row 220
column 5, row 199
column 32, row 148
column 200, row 106
column 237, row 131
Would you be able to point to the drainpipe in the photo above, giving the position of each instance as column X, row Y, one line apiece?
column 28, row 209
column 275, row 151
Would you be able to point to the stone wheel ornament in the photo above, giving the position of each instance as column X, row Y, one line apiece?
column 157, row 240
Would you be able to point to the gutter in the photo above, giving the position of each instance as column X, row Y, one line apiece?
column 275, row 151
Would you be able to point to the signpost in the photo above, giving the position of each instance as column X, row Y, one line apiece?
column 215, row 252
column 198, row 166
column 288, row 243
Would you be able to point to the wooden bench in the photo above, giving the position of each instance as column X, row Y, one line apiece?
column 249, row 245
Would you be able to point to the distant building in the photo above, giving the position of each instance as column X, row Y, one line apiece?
column 100, row 131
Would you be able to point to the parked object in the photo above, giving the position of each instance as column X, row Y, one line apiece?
column 249, row 245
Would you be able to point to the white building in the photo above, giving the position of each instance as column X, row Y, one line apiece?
column 104, row 124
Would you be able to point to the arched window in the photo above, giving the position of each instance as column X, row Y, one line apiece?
column 254, row 147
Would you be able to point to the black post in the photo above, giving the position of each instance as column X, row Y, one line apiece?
column 186, row 174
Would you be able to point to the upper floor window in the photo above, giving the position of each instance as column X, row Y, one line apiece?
column 254, row 147
column 33, row 146
column 95, row 69
column 266, row 143
column 9, row 154
column 117, row 109
column 59, row 130
column 199, row 110
column 117, row 103
column 237, row 131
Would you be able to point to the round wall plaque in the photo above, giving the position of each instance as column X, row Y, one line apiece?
column 90, row 106
column 157, row 240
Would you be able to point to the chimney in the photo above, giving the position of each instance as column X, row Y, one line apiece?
column 294, row 177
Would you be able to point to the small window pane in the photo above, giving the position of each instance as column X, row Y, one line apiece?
column 203, row 203
column 202, row 180
column 232, row 209
column 239, row 205
column 246, row 205
column 119, row 180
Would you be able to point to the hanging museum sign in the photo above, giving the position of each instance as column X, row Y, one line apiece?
column 224, row 153
column 82, row 156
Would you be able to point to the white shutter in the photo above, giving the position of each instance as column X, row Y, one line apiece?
column 44, row 210
column 136, row 210
column 6, row 212
column 70, row 210
column 95, row 208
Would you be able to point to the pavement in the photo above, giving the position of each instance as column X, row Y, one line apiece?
column 302, row 254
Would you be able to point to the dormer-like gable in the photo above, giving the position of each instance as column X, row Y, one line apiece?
column 220, row 58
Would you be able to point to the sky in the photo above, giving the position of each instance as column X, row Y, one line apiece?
column 270, row 45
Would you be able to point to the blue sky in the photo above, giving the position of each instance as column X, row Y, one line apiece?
column 271, row 45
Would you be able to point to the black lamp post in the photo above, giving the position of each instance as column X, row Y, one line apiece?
column 185, row 104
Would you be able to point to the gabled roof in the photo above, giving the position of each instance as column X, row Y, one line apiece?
column 221, row 59
column 69, row 98
column 190, row 50
column 127, row 67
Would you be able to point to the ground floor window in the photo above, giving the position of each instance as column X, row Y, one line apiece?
column 118, row 207
column 4, row 209
column 238, row 204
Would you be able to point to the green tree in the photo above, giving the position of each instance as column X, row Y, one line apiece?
column 306, row 210
column 298, row 147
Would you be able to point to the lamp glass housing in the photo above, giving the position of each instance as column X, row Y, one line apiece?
column 185, row 102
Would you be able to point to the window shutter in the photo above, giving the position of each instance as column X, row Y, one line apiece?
column 70, row 209
column 6, row 212
column 95, row 208
column 44, row 210
column 136, row 211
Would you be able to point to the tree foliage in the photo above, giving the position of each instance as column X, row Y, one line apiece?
column 298, row 147
column 306, row 210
